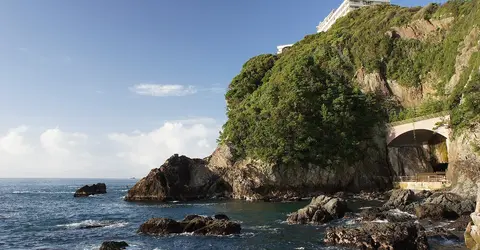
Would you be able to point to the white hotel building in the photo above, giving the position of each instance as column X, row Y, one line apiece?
column 344, row 9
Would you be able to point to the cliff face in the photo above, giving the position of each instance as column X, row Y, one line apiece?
column 254, row 179
column 464, row 165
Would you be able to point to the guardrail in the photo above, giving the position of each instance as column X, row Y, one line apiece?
column 419, row 118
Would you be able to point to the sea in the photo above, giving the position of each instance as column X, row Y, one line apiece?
column 43, row 214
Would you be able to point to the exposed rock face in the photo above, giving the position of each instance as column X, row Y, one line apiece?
column 99, row 188
column 408, row 161
column 191, row 224
column 179, row 178
column 385, row 236
column 114, row 245
column 320, row 210
column 421, row 29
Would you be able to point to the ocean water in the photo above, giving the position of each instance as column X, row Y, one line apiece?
column 43, row 214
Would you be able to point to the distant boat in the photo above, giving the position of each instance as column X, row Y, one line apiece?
column 133, row 178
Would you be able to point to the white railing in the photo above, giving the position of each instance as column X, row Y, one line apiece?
column 423, row 178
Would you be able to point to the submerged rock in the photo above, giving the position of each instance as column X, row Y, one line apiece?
column 320, row 210
column 440, row 233
column 179, row 178
column 114, row 245
column 382, row 213
column 99, row 188
column 191, row 224
column 391, row 236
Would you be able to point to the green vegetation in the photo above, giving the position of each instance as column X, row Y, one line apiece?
column 304, row 106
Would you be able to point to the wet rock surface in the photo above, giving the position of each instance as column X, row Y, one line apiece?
column 196, row 224
column 321, row 209
column 391, row 236
column 99, row 188
column 114, row 245
column 435, row 212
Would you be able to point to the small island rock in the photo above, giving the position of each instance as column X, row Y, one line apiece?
column 99, row 188
column 114, row 245
column 321, row 209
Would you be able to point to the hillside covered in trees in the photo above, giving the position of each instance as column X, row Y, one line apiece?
column 322, row 99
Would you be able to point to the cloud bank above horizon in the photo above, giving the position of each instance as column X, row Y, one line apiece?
column 53, row 152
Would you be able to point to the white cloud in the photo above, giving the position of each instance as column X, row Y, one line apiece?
column 14, row 143
column 162, row 90
column 151, row 148
column 58, row 153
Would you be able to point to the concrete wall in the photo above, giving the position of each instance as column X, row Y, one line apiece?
column 421, row 185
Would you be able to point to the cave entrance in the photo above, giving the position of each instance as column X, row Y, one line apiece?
column 417, row 152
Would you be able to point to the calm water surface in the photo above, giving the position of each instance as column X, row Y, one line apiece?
column 43, row 214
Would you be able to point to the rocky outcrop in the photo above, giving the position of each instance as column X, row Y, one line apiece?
column 385, row 236
column 421, row 29
column 434, row 212
column 99, row 188
column 321, row 209
column 114, row 245
column 453, row 202
column 195, row 224
column 179, row 178
column 466, row 49
column 400, row 199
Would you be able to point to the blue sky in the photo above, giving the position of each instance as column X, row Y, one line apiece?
column 97, row 69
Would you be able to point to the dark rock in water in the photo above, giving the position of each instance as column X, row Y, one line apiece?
column 179, row 178
column 92, row 226
column 191, row 224
column 452, row 202
column 99, row 188
column 440, row 233
column 400, row 199
column 161, row 226
column 320, row 210
column 434, row 212
column 461, row 223
column 221, row 217
column 391, row 236
column 219, row 227
column 114, row 245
